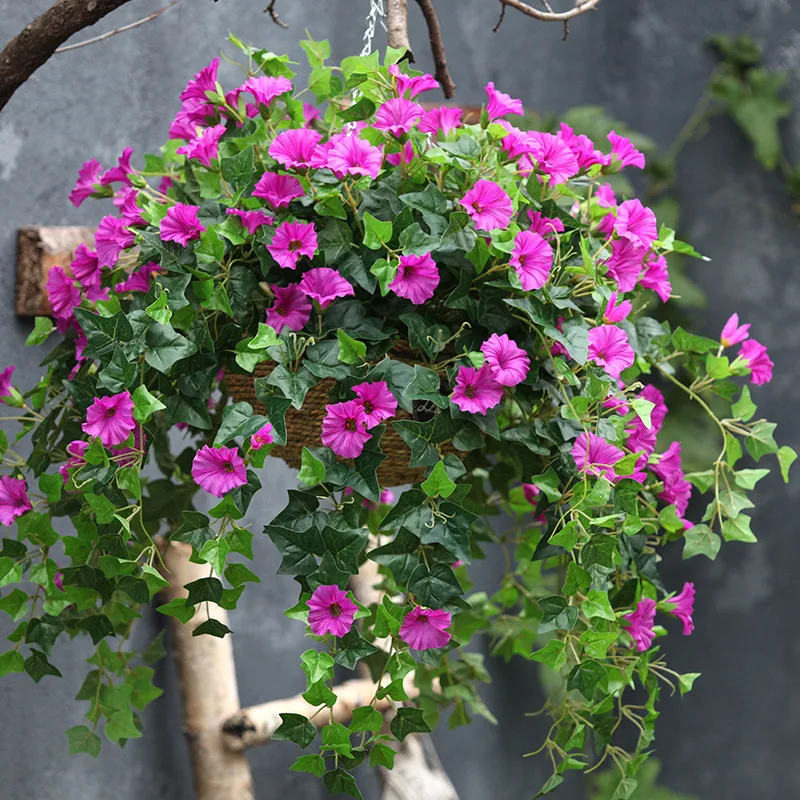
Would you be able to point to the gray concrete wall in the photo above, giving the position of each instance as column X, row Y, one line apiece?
column 736, row 736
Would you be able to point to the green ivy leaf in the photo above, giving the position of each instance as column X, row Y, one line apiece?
column 339, row 781
column 82, row 740
column 295, row 728
column 313, row 763
column 351, row 351
column 597, row 605
column 786, row 457
column 585, row 677
column 438, row 483
column 212, row 627
column 408, row 720
column 701, row 540
column 381, row 755
column 738, row 529
column 12, row 661
column 552, row 654
column 145, row 404
column 376, row 232
column 42, row 328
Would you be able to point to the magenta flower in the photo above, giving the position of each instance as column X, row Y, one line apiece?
column 397, row 116
column 605, row 196
column 553, row 157
column 205, row 145
column 624, row 151
column 610, row 349
column 310, row 113
column 291, row 308
column 532, row 259
column 62, row 292
column 291, row 241
column 217, row 470
column 656, row 277
column 387, row 497
column 181, row 224
column 516, row 143
column 75, row 450
column 14, row 500
column 203, row 81
column 476, row 390
column 193, row 115
column 344, row 428
column 625, row 263
column 110, row 239
column 440, row 119
column 377, row 401
column 531, row 493
column 417, row 278
column 414, row 85
column 324, row 285
column 351, row 155
column 332, row 611
column 139, row 280
column 131, row 212
column 88, row 177
column 5, row 382
column 499, row 104
column 595, row 456
column 265, row 88
column 294, row 148
column 640, row 438
column 734, row 333
column 425, row 628
column 261, row 437
column 488, row 205
column 58, row 580
column 682, row 607
column 508, row 362
column 754, row 355
column 278, row 190
column 251, row 220
column 544, row 226
column 582, row 148
column 676, row 488
column 636, row 223
column 639, row 623
column 405, row 156
column 616, row 312
column 110, row 418
column 165, row 184
column 119, row 174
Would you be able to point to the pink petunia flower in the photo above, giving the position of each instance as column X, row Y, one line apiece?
column 499, row 104
column 734, row 333
column 639, row 623
column 291, row 241
column 205, row 145
column 682, row 607
column 261, row 437
column 75, row 450
column 352, row 155
column 110, row 239
column 476, row 390
column 387, row 497
column 119, row 174
column 294, row 148
column 251, row 220
column 441, row 119
column 636, row 223
column 676, row 488
column 193, row 115
column 265, row 88
column 217, row 470
column 344, row 428
column 332, row 611
column 625, row 263
column 610, row 349
column 488, row 205
column 139, row 280
column 88, row 177
column 397, row 116
column 553, row 157
column 604, row 195
column 517, row 142
column 582, row 148
column 532, row 259
column 278, row 190
column 623, row 150
column 413, row 85
column 595, row 456
column 656, row 276
column 110, row 418
column 6, row 386
column 324, row 285
column 203, row 81
column 508, row 362
column 291, row 308
column 165, row 184
column 62, row 292
column 425, row 628
column 615, row 312
column 131, row 211
column 417, row 278
column 544, row 226
column 377, row 401
column 14, row 500
column 405, row 156
column 531, row 493
column 181, row 224
column 310, row 113
column 640, row 438
column 754, row 355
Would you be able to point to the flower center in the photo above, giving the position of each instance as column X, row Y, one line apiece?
column 295, row 245
column 111, row 412
column 335, row 609
column 228, row 467
column 280, row 311
column 350, row 425
column 469, row 391
column 476, row 206
column 368, row 407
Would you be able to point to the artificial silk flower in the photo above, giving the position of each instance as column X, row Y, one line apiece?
column 488, row 205
column 205, row 145
column 516, row 142
column 119, row 174
column 310, row 113
column 582, row 148
column 131, row 211
column 110, row 418
column 291, row 241
column 58, row 580
column 332, row 611
column 75, row 450
column 88, row 177
column 294, row 148
column 676, row 489
column 181, row 224
column 140, row 280
column 251, row 220
column 609, row 348
column 291, row 308
column 754, row 355
column 682, row 607
column 734, row 333
column 110, row 239
column 397, row 116
column 425, row 628
column 203, row 81
column 62, row 293
column 193, row 115
column 278, row 190
column 532, row 259
column 324, row 285
column 499, row 104
column 636, row 223
column 639, row 623
column 531, row 492
column 640, row 438
column 441, row 119
column 476, row 390
column 14, row 500
column 265, row 88
column 544, row 226
column 405, row 156
column 656, row 276
column 413, row 85
column 595, row 456
column 217, row 470
column 615, row 312
column 625, row 263
column 344, row 428
column 387, row 497
column 5, row 382
column 508, row 362
column 604, row 195
column 623, row 150
column 351, row 155
column 417, row 278
column 261, row 437
column 165, row 184
column 377, row 401
column 553, row 157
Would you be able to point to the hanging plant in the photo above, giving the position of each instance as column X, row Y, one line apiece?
column 379, row 295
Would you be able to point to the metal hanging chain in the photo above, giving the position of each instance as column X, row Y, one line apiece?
column 377, row 14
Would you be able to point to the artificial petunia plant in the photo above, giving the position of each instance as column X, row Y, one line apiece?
column 477, row 296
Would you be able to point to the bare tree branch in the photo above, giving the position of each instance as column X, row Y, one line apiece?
column 270, row 9
column 437, row 48
column 32, row 47
column 581, row 7
column 66, row 48
column 397, row 25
